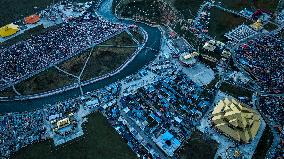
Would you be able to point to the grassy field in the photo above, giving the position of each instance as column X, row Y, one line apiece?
column 188, row 8
column 270, row 27
column 269, row 5
column 198, row 147
column 138, row 36
column 8, row 92
column 75, row 64
column 99, row 142
column 104, row 60
column 264, row 144
column 44, row 81
column 222, row 22
column 121, row 39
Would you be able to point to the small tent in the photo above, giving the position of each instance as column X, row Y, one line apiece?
column 32, row 19
column 9, row 30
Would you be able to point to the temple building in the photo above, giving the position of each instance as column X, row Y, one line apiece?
column 188, row 59
column 236, row 120
column 257, row 25
column 8, row 30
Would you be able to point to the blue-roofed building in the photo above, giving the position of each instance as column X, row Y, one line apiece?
column 195, row 96
column 168, row 143
column 155, row 117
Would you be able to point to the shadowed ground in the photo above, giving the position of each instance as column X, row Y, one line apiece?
column 100, row 141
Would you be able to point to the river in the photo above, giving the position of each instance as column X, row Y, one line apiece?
column 144, row 57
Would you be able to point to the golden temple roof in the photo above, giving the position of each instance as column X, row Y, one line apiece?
column 236, row 120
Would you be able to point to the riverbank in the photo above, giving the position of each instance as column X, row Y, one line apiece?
column 142, row 58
